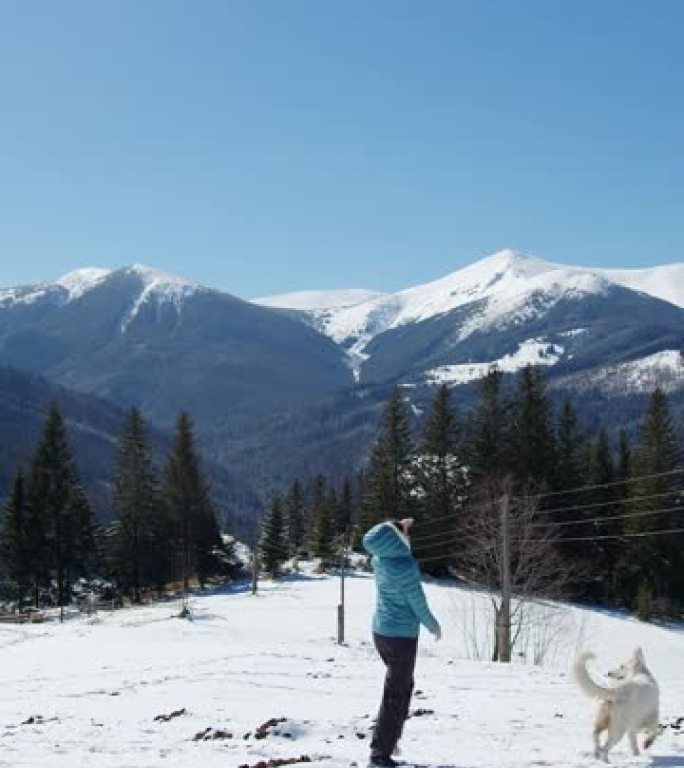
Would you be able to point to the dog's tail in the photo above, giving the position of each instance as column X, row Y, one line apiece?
column 585, row 682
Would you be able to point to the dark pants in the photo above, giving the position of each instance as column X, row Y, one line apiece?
column 399, row 656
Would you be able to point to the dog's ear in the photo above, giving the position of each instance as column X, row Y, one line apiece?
column 639, row 655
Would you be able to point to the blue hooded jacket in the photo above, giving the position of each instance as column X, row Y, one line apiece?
column 401, row 606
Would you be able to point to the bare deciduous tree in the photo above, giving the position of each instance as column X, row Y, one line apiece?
column 511, row 551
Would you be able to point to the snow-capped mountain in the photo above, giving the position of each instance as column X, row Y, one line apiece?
column 505, row 281
column 502, row 294
column 153, row 283
column 138, row 336
column 293, row 385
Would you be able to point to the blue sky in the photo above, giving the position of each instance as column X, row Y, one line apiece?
column 265, row 146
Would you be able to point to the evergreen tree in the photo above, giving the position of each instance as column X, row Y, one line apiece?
column 273, row 541
column 533, row 437
column 655, row 564
column 604, row 552
column 190, row 509
column 61, row 528
column 624, row 461
column 489, row 450
column 571, row 470
column 345, row 509
column 440, row 481
column 359, row 526
column 14, row 540
column 295, row 514
column 139, row 546
column 323, row 532
column 388, row 483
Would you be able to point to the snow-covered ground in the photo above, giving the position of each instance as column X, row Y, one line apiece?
column 87, row 693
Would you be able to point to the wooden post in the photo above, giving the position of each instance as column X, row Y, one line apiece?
column 341, row 606
column 255, row 559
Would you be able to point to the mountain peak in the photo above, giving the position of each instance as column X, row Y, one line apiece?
column 512, row 262
column 153, row 276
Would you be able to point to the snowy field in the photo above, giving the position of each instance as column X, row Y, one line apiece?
column 91, row 692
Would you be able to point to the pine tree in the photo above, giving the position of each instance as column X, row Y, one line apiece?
column 440, row 480
column 61, row 528
column 323, row 532
column 359, row 526
column 192, row 514
column 273, row 542
column 533, row 438
column 140, row 546
column 489, row 450
column 573, row 467
column 604, row 552
column 388, row 482
column 656, row 563
column 624, row 461
column 295, row 515
column 345, row 509
column 14, row 539
column 570, row 466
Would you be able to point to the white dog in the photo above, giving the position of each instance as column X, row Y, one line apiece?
column 629, row 707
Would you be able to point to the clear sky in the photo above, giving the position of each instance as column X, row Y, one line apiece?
column 263, row 146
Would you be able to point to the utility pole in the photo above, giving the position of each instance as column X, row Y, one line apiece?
column 504, row 628
column 341, row 606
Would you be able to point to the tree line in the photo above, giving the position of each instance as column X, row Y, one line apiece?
column 598, row 508
column 165, row 526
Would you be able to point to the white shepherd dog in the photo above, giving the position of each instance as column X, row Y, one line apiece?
column 630, row 706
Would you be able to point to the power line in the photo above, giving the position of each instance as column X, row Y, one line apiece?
column 418, row 539
column 465, row 538
column 613, row 503
column 432, row 558
column 555, row 524
column 446, row 542
column 464, row 506
column 645, row 534
column 625, row 516
column 579, row 489
column 483, row 505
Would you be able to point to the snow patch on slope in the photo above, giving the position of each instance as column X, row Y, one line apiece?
column 663, row 369
column 80, row 281
column 530, row 352
column 65, row 289
column 159, row 286
column 30, row 294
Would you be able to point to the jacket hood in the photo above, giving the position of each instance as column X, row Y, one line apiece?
column 384, row 540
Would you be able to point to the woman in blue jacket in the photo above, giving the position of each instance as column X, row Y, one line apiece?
column 400, row 609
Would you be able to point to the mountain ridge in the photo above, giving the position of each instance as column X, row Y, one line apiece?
column 275, row 396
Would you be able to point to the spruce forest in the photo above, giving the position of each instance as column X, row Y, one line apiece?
column 573, row 515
